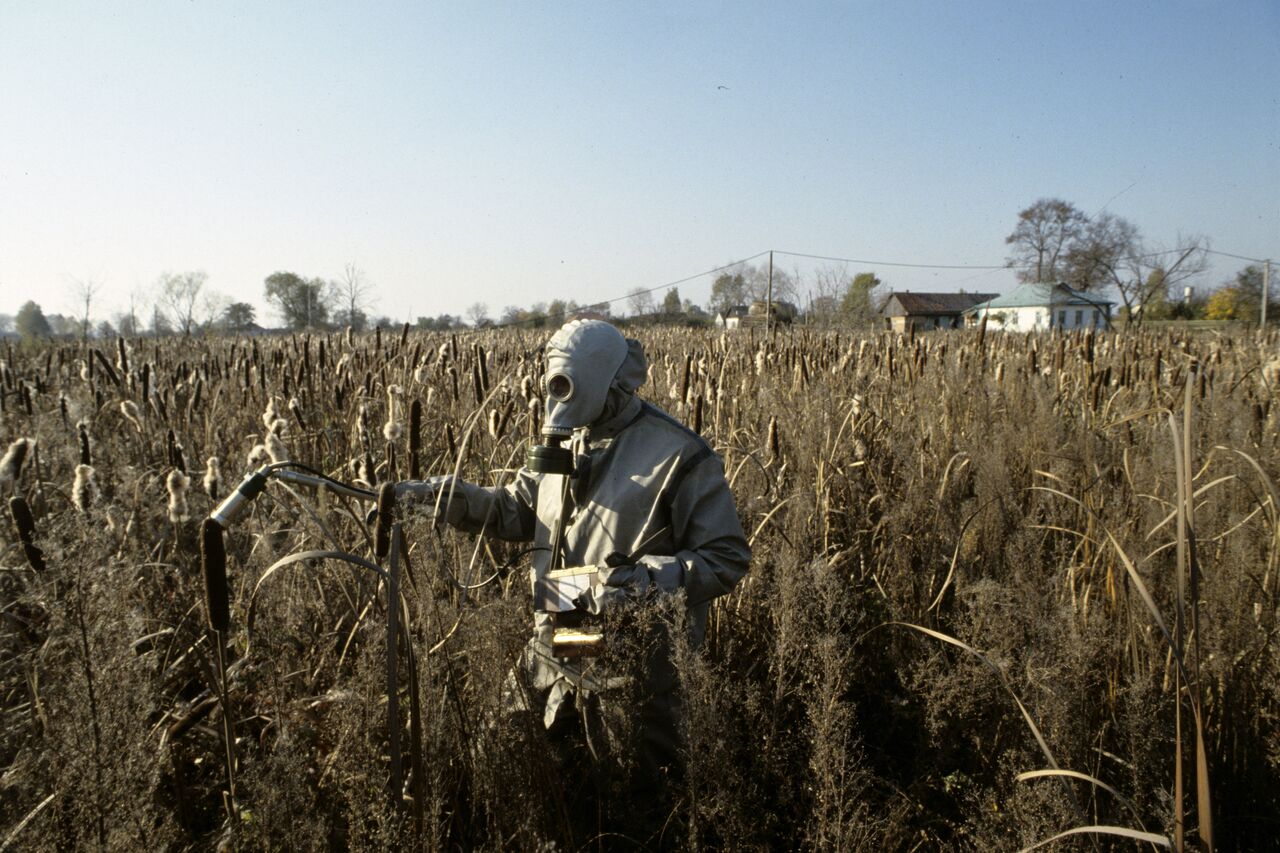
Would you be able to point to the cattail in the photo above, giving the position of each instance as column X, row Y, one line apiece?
column 14, row 459
column 275, row 447
column 213, row 561
column 85, row 373
column 177, row 483
column 393, row 428
column 84, row 490
column 271, row 415
column 257, row 455
column 86, row 455
column 422, row 374
column 20, row 512
column 415, row 438
column 212, row 478
column 295, row 408
column 131, row 413
column 177, row 458
column 774, row 450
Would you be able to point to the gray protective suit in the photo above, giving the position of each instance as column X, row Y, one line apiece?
column 646, row 487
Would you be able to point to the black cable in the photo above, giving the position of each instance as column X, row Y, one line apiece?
column 275, row 466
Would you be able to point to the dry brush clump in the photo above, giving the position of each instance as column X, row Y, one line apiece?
column 1003, row 587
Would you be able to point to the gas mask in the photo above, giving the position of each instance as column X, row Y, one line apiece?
column 585, row 358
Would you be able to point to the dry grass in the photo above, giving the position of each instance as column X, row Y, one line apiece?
column 1004, row 587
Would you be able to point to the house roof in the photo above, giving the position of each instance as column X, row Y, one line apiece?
column 906, row 303
column 1031, row 295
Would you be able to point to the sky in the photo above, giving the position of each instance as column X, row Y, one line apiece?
column 511, row 153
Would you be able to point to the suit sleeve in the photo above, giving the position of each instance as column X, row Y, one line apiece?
column 506, row 512
column 712, row 552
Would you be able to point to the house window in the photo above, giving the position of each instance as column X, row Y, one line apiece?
column 1062, row 318
column 1080, row 318
column 1096, row 316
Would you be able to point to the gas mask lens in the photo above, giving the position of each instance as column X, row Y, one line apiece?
column 559, row 387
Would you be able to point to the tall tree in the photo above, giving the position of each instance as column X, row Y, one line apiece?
column 671, row 303
column 352, row 297
column 238, row 316
column 478, row 315
column 1044, row 232
column 729, row 289
column 31, row 324
column 301, row 303
column 178, row 295
column 83, row 291
column 1103, row 244
column 858, row 306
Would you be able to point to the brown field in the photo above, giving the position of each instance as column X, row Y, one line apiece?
column 977, row 556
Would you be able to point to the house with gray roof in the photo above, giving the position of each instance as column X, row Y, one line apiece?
column 1042, row 306
column 904, row 310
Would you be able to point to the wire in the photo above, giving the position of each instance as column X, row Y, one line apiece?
column 893, row 263
column 274, row 466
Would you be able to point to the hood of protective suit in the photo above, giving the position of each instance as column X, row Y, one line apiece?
column 585, row 359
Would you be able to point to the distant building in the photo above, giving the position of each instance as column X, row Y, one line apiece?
column 740, row 316
column 731, row 317
column 925, row 311
column 1043, row 306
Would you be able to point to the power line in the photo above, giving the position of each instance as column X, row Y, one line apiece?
column 983, row 268
column 893, row 263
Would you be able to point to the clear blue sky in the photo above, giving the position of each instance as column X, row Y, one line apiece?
column 511, row 153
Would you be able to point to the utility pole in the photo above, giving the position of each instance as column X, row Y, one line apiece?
column 1266, row 290
column 768, row 305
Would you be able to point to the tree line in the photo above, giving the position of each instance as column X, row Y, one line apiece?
column 1052, row 241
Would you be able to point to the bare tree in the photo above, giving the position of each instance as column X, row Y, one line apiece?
column 353, row 293
column 478, row 314
column 1100, row 247
column 83, row 291
column 641, row 303
column 1045, row 231
column 830, row 282
column 1141, row 273
column 179, row 293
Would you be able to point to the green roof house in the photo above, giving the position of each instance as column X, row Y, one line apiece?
column 1043, row 306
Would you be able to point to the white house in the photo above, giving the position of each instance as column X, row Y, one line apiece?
column 1043, row 306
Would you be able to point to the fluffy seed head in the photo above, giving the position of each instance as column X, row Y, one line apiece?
column 178, row 483
column 84, row 490
column 212, row 478
column 14, row 459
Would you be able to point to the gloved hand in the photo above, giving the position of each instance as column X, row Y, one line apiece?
column 617, row 582
column 423, row 495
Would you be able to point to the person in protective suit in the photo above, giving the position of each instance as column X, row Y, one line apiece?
column 643, row 505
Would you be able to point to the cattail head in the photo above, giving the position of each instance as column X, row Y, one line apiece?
column 422, row 374
column 270, row 416
column 84, row 371
column 213, row 478
column 84, row 490
column 20, row 512
column 257, row 455
column 213, row 560
column 275, row 447
column 14, row 459
column 177, row 484
column 394, row 427
column 129, row 409
column 86, row 454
